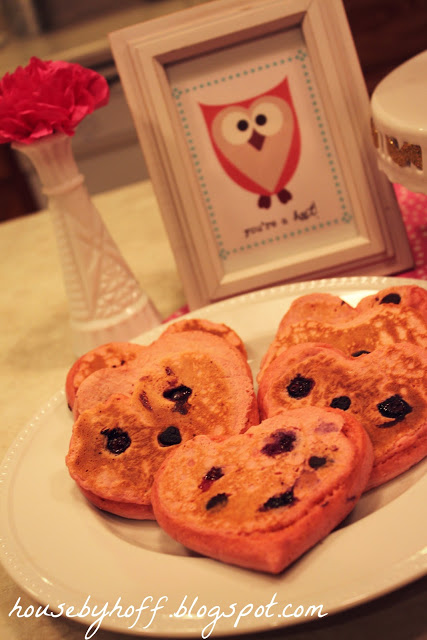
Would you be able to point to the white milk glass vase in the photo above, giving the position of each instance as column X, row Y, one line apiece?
column 106, row 302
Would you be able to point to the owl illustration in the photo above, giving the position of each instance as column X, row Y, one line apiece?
column 257, row 141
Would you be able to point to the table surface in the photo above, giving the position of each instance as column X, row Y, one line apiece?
column 36, row 354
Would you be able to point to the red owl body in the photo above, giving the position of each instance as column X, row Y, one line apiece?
column 257, row 141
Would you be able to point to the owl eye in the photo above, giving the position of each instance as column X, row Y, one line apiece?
column 236, row 127
column 267, row 118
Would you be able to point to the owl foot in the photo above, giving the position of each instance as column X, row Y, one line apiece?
column 284, row 196
column 264, row 202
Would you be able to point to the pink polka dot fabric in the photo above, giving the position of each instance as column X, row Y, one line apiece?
column 413, row 207
column 414, row 213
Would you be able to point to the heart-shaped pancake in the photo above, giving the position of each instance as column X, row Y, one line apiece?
column 392, row 315
column 385, row 389
column 192, row 383
column 262, row 498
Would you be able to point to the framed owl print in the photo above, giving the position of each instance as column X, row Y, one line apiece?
column 254, row 121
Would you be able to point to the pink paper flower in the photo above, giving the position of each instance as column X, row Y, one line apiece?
column 47, row 97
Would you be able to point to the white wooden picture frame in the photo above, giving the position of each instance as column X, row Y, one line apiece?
column 199, row 82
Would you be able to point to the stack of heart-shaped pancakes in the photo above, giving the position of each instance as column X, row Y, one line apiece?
column 184, row 384
column 173, row 432
column 369, row 360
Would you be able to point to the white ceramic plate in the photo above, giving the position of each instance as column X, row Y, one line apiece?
column 65, row 553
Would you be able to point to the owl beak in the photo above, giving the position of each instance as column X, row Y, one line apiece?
column 256, row 140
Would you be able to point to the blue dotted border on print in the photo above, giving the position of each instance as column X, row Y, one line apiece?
column 300, row 56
